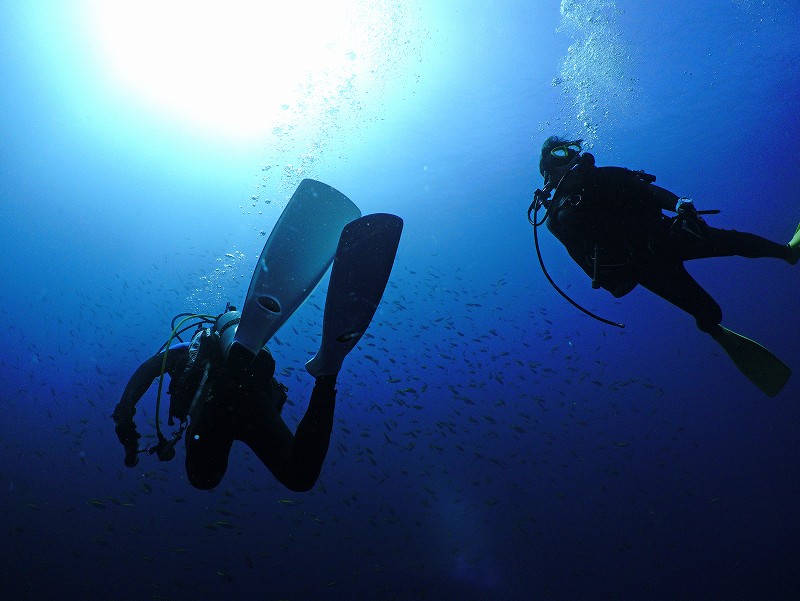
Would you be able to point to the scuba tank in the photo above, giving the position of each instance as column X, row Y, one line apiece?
column 204, row 362
column 225, row 327
column 236, row 357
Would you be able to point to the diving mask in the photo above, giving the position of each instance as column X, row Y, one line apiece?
column 566, row 151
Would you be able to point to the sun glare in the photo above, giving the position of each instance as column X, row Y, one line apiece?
column 230, row 68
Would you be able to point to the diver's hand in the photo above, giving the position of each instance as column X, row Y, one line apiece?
column 131, row 456
column 129, row 437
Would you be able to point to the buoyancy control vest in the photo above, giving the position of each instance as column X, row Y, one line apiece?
column 604, row 217
column 203, row 353
column 204, row 362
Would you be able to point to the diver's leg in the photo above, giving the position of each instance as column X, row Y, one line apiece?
column 209, row 438
column 728, row 243
column 673, row 283
column 296, row 461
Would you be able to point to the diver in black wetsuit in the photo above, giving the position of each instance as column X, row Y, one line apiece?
column 224, row 404
column 222, row 384
column 610, row 220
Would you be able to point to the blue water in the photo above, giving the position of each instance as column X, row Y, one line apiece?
column 490, row 442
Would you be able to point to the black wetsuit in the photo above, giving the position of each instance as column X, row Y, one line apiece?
column 615, row 215
column 243, row 406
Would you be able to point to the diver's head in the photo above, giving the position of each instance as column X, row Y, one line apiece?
column 558, row 156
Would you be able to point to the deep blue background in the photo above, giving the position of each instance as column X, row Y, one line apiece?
column 526, row 452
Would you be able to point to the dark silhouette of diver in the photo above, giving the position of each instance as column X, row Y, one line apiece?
column 222, row 385
column 225, row 403
column 610, row 220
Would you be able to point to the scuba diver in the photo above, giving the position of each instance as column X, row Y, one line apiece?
column 231, row 405
column 222, row 385
column 610, row 220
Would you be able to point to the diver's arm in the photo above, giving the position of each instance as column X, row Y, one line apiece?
column 662, row 197
column 143, row 377
column 126, row 408
column 140, row 381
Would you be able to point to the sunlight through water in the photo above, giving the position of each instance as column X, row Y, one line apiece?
column 594, row 76
column 234, row 69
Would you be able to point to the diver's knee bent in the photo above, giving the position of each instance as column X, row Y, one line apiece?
column 715, row 331
column 300, row 482
column 710, row 326
column 205, row 470
column 204, row 479
column 708, row 321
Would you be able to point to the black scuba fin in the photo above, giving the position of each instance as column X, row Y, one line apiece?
column 757, row 363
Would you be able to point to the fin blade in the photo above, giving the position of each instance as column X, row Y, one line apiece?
column 297, row 254
column 361, row 269
column 757, row 363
